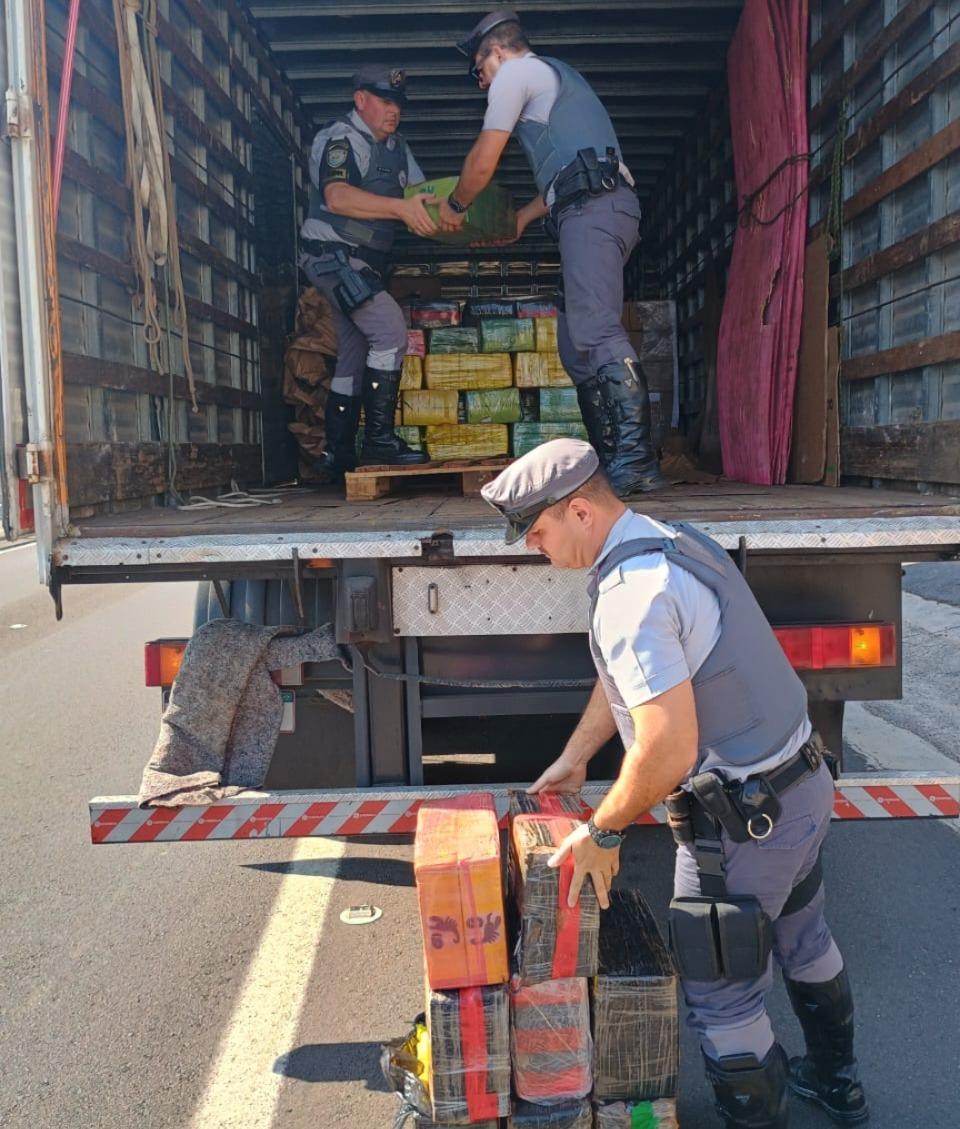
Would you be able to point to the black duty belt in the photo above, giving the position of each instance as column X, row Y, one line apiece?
column 746, row 810
column 319, row 247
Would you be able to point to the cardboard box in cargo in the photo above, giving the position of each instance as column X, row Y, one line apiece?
column 456, row 862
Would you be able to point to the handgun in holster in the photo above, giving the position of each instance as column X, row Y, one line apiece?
column 355, row 287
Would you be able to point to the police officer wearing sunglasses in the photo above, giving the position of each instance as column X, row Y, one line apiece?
column 359, row 167
column 587, row 192
column 714, row 725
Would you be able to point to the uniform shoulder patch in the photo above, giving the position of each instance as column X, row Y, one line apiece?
column 337, row 154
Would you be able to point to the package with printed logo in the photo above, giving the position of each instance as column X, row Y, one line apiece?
column 476, row 308
column 554, row 941
column 456, row 862
column 536, row 308
column 425, row 315
column 635, row 1022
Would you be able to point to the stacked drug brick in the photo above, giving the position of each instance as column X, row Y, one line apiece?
column 578, row 1030
column 485, row 380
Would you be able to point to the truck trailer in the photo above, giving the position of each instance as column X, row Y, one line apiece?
column 120, row 400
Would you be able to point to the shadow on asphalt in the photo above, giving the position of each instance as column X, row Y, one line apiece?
column 378, row 871
column 334, row 1062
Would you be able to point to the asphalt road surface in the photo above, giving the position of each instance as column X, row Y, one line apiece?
column 213, row 985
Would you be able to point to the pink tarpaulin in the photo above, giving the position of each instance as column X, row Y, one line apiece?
column 760, row 326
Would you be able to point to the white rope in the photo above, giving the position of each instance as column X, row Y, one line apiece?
column 234, row 499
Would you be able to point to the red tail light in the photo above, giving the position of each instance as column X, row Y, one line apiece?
column 839, row 645
column 161, row 661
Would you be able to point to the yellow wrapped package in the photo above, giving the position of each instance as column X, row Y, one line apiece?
column 467, row 441
column 467, row 371
column 557, row 375
column 411, row 375
column 546, row 334
column 530, row 370
column 423, row 406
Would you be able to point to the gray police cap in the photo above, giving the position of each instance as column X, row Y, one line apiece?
column 387, row 82
column 539, row 479
column 469, row 45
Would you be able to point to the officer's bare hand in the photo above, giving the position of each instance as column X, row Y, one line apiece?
column 564, row 775
column 600, row 863
column 449, row 219
column 416, row 216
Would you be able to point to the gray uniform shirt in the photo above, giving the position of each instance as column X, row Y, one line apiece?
column 350, row 130
column 655, row 623
column 525, row 89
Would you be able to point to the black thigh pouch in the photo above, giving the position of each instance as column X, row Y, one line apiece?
column 719, row 938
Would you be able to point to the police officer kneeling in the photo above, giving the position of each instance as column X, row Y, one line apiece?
column 714, row 723
column 359, row 167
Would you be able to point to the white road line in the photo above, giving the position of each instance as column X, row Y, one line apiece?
column 13, row 548
column 243, row 1086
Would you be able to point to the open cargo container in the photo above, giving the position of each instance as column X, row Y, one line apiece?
column 425, row 585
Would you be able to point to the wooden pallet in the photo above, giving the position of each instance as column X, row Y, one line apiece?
column 366, row 483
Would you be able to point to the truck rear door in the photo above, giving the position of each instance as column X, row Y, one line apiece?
column 28, row 289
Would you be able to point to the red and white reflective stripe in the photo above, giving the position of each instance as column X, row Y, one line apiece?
column 292, row 815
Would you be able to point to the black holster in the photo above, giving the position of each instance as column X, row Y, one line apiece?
column 586, row 175
column 354, row 286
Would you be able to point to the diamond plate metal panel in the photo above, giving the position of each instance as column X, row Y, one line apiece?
column 489, row 600
column 840, row 533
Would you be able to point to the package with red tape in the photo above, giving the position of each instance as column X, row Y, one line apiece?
column 554, row 941
column 550, row 1040
column 469, row 1054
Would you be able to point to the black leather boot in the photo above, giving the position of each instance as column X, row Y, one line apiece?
column 827, row 1074
column 749, row 1094
column 381, row 444
column 342, row 419
column 627, row 455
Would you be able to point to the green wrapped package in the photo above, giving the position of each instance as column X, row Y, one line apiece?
column 559, row 405
column 506, row 335
column 454, row 339
column 499, row 405
column 526, row 436
column 490, row 216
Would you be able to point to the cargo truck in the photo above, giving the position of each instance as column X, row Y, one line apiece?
column 457, row 638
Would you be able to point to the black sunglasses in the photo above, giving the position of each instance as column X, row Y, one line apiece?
column 475, row 69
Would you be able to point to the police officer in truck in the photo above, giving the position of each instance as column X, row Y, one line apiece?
column 587, row 191
column 359, row 167
column 714, row 725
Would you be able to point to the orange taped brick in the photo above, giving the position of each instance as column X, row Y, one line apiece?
column 457, row 866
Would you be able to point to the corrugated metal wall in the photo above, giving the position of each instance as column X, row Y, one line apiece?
column 886, row 74
column 216, row 72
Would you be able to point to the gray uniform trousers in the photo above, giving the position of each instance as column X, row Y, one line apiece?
column 597, row 236
column 374, row 335
column 730, row 1016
